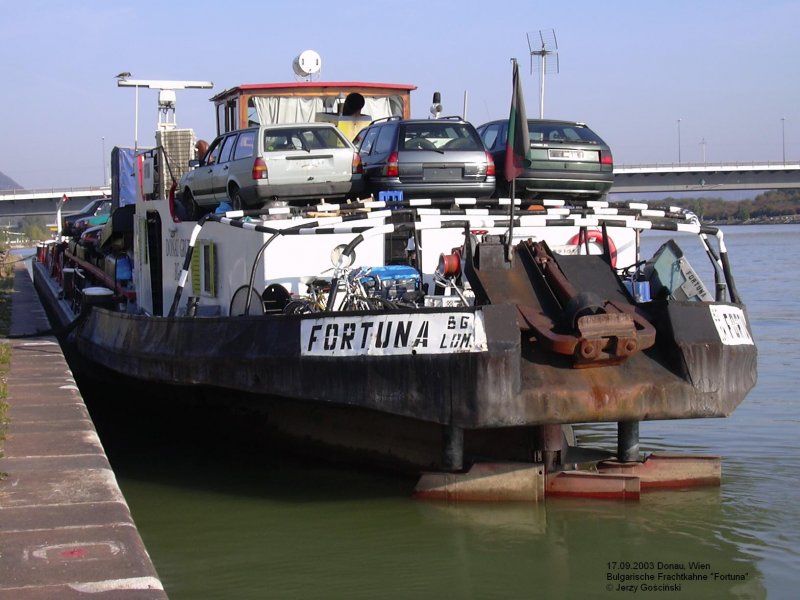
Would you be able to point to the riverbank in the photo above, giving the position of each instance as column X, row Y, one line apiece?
column 67, row 530
column 780, row 220
column 6, row 285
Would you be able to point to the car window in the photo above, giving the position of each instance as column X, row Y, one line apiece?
column 227, row 148
column 278, row 141
column 440, row 135
column 103, row 209
column 323, row 137
column 303, row 138
column 489, row 135
column 566, row 132
column 385, row 141
column 359, row 138
column 212, row 155
column 369, row 140
column 88, row 207
column 244, row 145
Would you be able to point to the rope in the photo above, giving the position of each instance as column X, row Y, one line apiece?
column 18, row 260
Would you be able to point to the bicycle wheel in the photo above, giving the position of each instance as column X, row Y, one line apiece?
column 299, row 307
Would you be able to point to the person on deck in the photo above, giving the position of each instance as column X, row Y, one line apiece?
column 353, row 104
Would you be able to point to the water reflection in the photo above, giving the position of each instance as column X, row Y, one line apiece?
column 229, row 518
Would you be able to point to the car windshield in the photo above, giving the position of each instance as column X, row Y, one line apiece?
column 88, row 208
column 439, row 136
column 562, row 132
column 303, row 138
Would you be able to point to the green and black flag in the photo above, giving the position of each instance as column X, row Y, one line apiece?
column 519, row 143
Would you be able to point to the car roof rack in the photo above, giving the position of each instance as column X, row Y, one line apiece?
column 389, row 118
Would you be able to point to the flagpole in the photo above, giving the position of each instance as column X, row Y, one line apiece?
column 518, row 147
column 510, row 243
column 509, row 248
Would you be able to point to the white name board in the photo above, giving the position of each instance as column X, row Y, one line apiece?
column 392, row 334
column 731, row 325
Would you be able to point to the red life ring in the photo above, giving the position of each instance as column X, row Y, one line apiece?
column 595, row 236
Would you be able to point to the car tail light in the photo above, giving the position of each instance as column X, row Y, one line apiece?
column 490, row 170
column 357, row 166
column 606, row 158
column 392, row 168
column 259, row 169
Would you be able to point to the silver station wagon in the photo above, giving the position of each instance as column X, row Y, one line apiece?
column 293, row 163
column 425, row 158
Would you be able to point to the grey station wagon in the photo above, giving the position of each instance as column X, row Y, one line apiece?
column 294, row 163
column 425, row 158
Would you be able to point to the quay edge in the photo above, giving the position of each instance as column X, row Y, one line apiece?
column 67, row 530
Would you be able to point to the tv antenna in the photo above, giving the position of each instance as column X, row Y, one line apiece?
column 543, row 44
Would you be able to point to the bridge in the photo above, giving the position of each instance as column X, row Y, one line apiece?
column 19, row 203
column 684, row 177
column 705, row 177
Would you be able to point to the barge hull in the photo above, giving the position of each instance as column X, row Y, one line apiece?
column 511, row 384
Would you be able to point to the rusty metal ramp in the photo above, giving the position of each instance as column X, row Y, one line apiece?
column 589, row 354
column 595, row 324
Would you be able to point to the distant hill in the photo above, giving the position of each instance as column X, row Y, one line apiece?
column 6, row 183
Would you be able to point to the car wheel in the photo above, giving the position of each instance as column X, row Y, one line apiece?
column 190, row 206
column 236, row 199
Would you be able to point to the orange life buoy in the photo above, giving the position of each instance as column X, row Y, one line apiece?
column 595, row 236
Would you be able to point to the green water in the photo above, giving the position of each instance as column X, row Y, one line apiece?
column 225, row 517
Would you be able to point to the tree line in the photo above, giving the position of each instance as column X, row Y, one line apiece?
column 768, row 205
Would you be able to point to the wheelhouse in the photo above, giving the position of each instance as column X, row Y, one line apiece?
column 306, row 101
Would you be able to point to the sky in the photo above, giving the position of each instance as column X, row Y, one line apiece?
column 721, row 75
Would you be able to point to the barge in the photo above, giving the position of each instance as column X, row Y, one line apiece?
column 456, row 336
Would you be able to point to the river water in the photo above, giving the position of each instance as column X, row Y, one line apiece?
column 226, row 517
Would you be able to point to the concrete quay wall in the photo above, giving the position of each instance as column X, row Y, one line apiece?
column 65, row 528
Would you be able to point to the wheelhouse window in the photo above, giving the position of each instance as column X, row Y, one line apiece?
column 228, row 116
column 203, row 269
column 269, row 110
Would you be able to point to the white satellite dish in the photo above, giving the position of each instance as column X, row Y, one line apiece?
column 307, row 64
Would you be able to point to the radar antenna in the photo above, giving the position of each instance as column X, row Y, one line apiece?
column 166, row 98
column 543, row 44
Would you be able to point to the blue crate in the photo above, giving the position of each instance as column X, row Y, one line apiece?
column 390, row 196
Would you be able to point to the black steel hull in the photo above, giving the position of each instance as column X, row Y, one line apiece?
column 513, row 383
column 396, row 408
